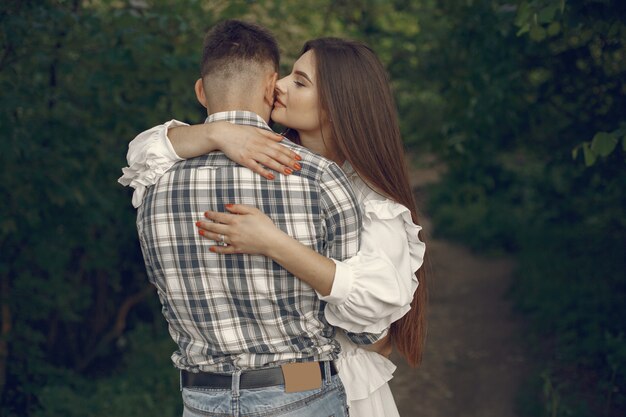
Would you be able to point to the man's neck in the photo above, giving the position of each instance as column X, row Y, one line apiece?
column 221, row 107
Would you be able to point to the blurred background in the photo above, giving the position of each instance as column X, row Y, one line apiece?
column 518, row 107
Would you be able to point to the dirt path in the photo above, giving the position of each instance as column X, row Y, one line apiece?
column 474, row 361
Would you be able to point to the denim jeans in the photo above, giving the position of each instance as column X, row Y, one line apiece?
column 328, row 401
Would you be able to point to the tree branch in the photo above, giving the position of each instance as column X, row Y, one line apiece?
column 5, row 55
column 117, row 329
column 6, row 329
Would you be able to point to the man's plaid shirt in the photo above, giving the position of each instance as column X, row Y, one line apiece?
column 244, row 311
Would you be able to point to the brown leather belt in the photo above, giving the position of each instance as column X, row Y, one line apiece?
column 257, row 378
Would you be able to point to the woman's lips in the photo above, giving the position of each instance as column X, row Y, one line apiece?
column 278, row 103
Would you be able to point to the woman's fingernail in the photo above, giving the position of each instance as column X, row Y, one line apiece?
column 270, row 176
column 298, row 157
column 228, row 205
column 201, row 232
column 198, row 224
column 206, row 214
column 288, row 171
column 212, row 249
column 297, row 166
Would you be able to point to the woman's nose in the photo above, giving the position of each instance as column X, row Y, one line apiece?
column 280, row 86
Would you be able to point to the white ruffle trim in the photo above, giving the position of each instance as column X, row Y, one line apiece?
column 150, row 155
column 387, row 210
column 140, row 176
column 363, row 372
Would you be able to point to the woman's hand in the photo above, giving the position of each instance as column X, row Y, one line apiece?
column 246, row 230
column 254, row 148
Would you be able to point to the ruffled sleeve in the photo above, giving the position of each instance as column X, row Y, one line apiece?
column 149, row 156
column 361, row 371
column 375, row 288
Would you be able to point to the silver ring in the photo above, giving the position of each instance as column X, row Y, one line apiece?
column 222, row 240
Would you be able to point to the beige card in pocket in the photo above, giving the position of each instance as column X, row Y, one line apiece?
column 302, row 376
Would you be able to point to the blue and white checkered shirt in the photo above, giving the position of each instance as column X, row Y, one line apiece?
column 230, row 312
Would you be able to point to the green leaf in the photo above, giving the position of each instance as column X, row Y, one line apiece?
column 603, row 143
column 537, row 33
column 523, row 14
column 590, row 156
column 554, row 28
column 546, row 15
column 525, row 28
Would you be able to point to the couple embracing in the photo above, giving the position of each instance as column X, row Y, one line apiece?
column 287, row 265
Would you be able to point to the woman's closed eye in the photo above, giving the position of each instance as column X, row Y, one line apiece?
column 298, row 83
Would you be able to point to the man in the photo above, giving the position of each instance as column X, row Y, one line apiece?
column 251, row 337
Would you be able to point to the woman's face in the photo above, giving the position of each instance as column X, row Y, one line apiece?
column 297, row 102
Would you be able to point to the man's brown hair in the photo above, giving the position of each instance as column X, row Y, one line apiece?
column 232, row 44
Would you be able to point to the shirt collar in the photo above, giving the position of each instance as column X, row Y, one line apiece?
column 239, row 117
column 360, row 185
column 347, row 168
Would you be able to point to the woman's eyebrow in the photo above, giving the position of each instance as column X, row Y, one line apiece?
column 303, row 74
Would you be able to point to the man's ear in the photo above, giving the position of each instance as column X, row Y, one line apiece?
column 199, row 88
column 270, row 86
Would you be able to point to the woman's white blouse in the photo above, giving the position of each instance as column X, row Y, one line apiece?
column 374, row 288
column 370, row 290
column 149, row 156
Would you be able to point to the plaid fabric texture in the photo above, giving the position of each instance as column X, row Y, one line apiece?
column 230, row 312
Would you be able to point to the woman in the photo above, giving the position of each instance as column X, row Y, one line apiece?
column 337, row 102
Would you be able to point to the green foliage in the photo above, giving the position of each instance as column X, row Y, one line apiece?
column 144, row 384
column 539, row 18
column 574, row 303
column 547, row 77
column 602, row 145
column 71, row 267
column 604, row 38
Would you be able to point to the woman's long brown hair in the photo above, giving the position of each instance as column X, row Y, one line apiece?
column 355, row 93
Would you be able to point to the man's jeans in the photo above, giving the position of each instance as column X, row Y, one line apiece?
column 328, row 401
